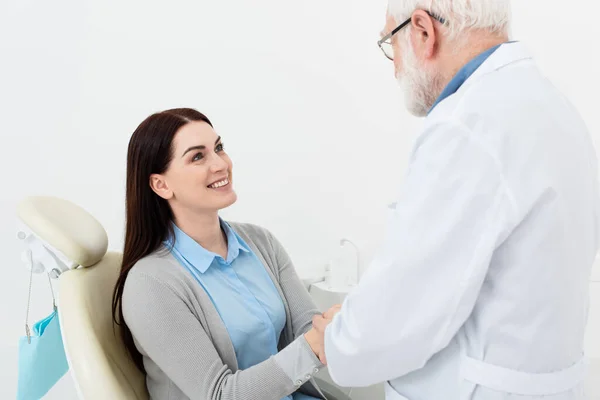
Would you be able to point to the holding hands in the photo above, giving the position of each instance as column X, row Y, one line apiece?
column 316, row 336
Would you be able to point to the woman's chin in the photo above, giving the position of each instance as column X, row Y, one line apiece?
column 228, row 200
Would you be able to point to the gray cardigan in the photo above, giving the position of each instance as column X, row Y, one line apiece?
column 186, row 348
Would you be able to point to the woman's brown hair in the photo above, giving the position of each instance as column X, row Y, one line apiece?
column 148, row 216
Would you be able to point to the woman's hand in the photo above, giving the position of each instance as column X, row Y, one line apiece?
column 315, row 341
column 316, row 336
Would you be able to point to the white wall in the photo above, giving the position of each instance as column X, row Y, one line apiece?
column 306, row 104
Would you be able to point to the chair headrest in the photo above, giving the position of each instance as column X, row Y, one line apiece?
column 66, row 227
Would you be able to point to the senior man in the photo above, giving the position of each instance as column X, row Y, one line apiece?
column 480, row 289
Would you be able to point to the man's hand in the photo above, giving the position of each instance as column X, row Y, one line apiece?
column 329, row 314
column 316, row 336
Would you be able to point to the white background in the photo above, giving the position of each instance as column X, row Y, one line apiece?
column 305, row 101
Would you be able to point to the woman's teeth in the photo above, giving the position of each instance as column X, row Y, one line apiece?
column 219, row 184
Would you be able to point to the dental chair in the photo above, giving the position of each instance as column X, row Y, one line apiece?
column 69, row 244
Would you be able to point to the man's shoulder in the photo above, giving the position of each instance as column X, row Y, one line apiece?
column 499, row 101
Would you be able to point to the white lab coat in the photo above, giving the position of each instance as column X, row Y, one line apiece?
column 480, row 289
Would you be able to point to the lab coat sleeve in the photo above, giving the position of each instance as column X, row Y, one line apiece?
column 453, row 211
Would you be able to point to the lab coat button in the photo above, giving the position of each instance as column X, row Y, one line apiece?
column 298, row 383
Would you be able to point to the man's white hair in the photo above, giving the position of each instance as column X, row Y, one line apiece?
column 460, row 15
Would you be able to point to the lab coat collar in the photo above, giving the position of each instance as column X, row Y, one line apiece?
column 463, row 74
column 508, row 53
column 489, row 61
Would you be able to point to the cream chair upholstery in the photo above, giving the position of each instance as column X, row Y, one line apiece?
column 97, row 356
column 98, row 360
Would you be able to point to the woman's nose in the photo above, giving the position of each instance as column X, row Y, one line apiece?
column 218, row 164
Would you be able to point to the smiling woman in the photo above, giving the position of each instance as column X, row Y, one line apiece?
column 199, row 174
column 208, row 309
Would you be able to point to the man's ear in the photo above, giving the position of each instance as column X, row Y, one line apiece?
column 159, row 185
column 424, row 35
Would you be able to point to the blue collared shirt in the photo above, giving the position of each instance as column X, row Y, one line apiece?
column 463, row 74
column 242, row 292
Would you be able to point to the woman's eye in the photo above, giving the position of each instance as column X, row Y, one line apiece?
column 197, row 157
column 220, row 148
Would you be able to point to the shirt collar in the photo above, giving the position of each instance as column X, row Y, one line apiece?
column 463, row 74
column 198, row 256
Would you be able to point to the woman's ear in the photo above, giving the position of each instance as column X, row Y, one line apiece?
column 159, row 185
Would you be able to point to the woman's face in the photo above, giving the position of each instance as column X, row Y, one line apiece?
column 199, row 177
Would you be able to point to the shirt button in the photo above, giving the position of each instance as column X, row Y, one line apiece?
column 298, row 383
column 315, row 370
column 307, row 377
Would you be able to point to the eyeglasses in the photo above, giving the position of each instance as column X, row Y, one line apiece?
column 385, row 44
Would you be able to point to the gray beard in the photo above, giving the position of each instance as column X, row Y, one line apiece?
column 421, row 88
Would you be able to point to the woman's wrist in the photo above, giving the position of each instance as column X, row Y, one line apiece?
column 313, row 340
